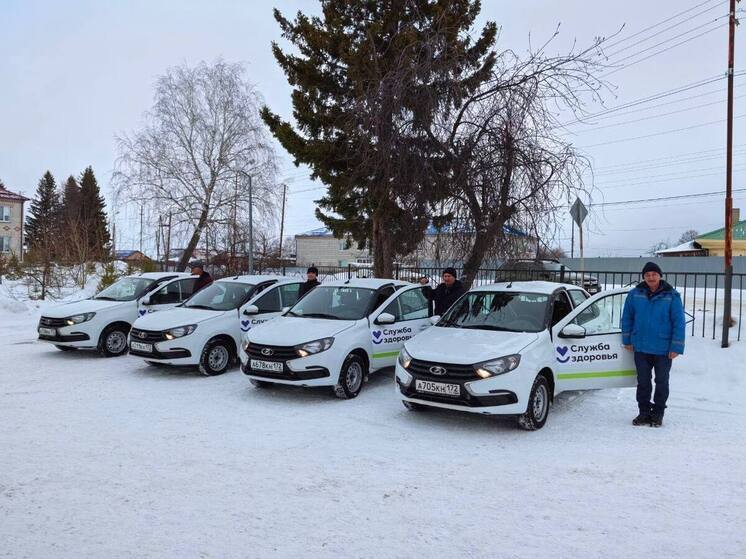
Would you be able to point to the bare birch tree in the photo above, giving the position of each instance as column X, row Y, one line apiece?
column 193, row 158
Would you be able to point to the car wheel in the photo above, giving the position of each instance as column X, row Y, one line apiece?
column 65, row 348
column 413, row 406
column 113, row 341
column 215, row 359
column 538, row 406
column 351, row 378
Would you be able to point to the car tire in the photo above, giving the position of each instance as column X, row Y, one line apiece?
column 351, row 377
column 413, row 406
column 259, row 383
column 538, row 406
column 215, row 358
column 65, row 348
column 113, row 341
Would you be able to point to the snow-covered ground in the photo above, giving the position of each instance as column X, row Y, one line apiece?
column 113, row 458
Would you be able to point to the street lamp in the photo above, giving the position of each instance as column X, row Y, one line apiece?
column 251, row 220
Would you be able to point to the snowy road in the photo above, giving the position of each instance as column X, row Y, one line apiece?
column 113, row 458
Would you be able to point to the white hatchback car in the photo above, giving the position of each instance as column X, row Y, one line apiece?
column 336, row 335
column 103, row 321
column 509, row 348
column 206, row 330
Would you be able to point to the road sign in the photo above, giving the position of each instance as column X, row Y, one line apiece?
column 579, row 212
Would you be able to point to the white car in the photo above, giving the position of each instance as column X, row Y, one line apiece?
column 206, row 330
column 336, row 335
column 103, row 321
column 509, row 348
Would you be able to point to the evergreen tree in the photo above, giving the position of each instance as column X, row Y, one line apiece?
column 71, row 202
column 369, row 80
column 93, row 216
column 43, row 220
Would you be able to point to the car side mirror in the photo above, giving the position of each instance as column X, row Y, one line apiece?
column 145, row 300
column 285, row 309
column 434, row 319
column 385, row 318
column 251, row 309
column 572, row 331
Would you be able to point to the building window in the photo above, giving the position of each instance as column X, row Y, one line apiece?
column 4, row 244
column 4, row 213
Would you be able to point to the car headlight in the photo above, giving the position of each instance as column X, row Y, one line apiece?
column 78, row 318
column 316, row 346
column 497, row 366
column 245, row 344
column 180, row 331
column 404, row 358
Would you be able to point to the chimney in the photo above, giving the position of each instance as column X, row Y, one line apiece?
column 736, row 215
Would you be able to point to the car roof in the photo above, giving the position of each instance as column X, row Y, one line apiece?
column 255, row 279
column 547, row 287
column 161, row 275
column 369, row 283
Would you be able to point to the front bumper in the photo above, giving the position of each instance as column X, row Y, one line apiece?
column 81, row 335
column 313, row 370
column 169, row 352
column 500, row 395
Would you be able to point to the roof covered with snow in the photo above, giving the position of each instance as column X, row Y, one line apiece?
column 547, row 287
column 6, row 194
column 690, row 246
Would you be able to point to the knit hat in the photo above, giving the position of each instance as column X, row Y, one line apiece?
column 450, row 270
column 652, row 267
column 313, row 270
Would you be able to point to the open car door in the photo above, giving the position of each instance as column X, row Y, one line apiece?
column 588, row 346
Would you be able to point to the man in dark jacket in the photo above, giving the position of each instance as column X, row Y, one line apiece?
column 204, row 279
column 653, row 326
column 312, row 281
column 446, row 293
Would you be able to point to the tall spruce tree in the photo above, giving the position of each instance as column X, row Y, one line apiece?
column 93, row 215
column 368, row 81
column 71, row 201
column 43, row 220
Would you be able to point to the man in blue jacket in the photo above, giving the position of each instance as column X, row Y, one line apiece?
column 653, row 325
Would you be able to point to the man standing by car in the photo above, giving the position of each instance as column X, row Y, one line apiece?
column 446, row 293
column 653, row 325
column 312, row 281
column 204, row 279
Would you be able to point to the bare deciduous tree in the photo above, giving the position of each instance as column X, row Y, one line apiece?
column 202, row 141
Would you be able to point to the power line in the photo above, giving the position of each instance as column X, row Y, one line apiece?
column 632, row 168
column 671, row 18
column 662, row 199
column 663, row 133
column 670, row 157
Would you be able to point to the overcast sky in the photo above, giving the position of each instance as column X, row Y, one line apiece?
column 75, row 73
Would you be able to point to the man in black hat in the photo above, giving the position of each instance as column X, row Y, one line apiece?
column 653, row 326
column 446, row 293
column 312, row 281
column 204, row 279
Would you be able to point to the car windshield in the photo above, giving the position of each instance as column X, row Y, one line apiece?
column 126, row 289
column 498, row 310
column 221, row 296
column 337, row 303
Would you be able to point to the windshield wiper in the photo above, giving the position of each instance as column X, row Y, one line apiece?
column 106, row 298
column 200, row 307
column 319, row 315
column 488, row 327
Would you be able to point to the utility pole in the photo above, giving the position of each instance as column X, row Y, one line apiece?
column 158, row 233
column 235, row 227
column 732, row 22
column 572, row 240
column 251, row 227
column 167, row 256
column 140, row 227
column 282, row 217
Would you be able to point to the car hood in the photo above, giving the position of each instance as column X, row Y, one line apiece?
column 465, row 346
column 179, row 316
column 291, row 330
column 81, row 307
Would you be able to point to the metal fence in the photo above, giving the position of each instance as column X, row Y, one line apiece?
column 701, row 292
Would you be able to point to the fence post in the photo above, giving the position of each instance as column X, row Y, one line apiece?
column 562, row 275
column 397, row 271
column 349, row 271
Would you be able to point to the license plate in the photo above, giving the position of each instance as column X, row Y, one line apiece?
column 47, row 331
column 438, row 388
column 138, row 346
column 272, row 366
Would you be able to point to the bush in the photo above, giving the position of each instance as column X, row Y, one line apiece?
column 109, row 276
column 13, row 268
